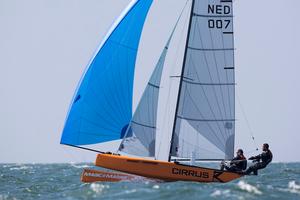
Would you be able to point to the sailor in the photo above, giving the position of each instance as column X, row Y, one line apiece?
column 261, row 160
column 237, row 164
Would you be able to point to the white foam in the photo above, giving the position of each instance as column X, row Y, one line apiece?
column 20, row 168
column 28, row 190
column 5, row 197
column 294, row 187
column 2, row 197
column 98, row 188
column 270, row 187
column 217, row 193
column 130, row 191
column 155, row 187
column 79, row 166
column 249, row 188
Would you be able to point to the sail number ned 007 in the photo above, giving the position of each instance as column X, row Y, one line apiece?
column 219, row 11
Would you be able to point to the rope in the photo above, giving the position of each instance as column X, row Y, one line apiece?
column 248, row 124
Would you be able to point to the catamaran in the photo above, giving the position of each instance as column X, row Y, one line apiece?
column 186, row 112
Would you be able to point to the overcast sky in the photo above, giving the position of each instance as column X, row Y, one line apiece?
column 46, row 44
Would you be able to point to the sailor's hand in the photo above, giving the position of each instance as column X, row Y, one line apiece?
column 251, row 158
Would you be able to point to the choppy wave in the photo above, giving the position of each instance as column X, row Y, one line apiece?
column 222, row 193
column 79, row 166
column 293, row 187
column 21, row 167
column 62, row 181
column 98, row 188
column 249, row 188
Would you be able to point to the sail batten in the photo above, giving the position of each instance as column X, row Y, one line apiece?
column 205, row 120
column 207, row 16
column 208, row 84
column 148, row 126
column 200, row 49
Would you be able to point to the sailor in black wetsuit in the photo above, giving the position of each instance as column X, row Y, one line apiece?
column 237, row 164
column 262, row 160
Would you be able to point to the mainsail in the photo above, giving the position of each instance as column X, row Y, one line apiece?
column 205, row 118
column 102, row 105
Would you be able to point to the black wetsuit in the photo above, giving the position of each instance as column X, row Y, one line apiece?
column 238, row 163
column 262, row 159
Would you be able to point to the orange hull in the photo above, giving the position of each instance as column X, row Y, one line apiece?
column 167, row 171
column 90, row 175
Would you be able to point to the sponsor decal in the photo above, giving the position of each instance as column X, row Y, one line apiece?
column 193, row 173
column 112, row 176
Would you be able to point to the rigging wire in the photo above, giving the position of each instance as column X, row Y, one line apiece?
column 248, row 124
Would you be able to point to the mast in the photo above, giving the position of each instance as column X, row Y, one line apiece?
column 181, row 77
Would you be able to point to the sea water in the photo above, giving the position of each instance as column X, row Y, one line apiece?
column 62, row 181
